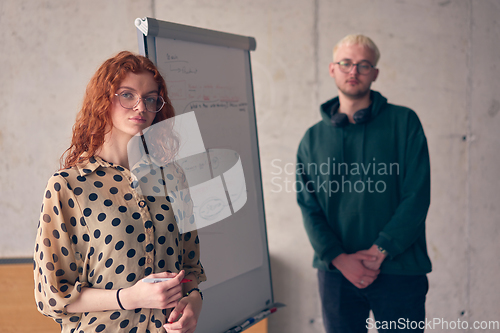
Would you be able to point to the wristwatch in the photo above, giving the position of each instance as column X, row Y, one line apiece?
column 382, row 250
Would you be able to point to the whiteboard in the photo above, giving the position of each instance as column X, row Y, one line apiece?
column 209, row 73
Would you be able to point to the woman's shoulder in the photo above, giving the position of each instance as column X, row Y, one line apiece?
column 58, row 185
column 81, row 169
column 65, row 174
column 73, row 174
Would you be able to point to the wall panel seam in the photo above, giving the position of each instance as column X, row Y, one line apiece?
column 468, row 143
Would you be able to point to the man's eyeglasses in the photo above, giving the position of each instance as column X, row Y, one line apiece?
column 363, row 67
column 129, row 100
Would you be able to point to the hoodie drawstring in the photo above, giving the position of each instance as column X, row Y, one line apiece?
column 342, row 152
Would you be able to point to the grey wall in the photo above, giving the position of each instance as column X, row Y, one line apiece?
column 439, row 58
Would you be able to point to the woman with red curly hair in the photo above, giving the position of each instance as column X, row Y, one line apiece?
column 99, row 236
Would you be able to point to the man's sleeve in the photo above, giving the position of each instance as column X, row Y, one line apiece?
column 408, row 222
column 322, row 237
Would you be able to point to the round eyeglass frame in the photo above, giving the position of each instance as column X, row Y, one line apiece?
column 357, row 67
column 137, row 102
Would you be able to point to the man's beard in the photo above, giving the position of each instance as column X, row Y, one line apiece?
column 360, row 94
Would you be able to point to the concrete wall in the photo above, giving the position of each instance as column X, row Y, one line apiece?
column 440, row 58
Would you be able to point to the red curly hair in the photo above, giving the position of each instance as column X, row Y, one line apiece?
column 93, row 121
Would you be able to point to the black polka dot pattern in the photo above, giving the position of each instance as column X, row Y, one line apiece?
column 98, row 229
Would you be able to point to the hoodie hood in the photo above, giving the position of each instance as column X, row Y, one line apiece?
column 378, row 102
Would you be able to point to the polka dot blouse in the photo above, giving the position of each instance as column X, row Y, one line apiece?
column 97, row 229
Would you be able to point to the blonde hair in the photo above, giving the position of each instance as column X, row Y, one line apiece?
column 358, row 39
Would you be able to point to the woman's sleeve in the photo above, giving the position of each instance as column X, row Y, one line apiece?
column 191, row 257
column 60, row 251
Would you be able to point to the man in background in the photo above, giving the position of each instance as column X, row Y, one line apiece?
column 365, row 176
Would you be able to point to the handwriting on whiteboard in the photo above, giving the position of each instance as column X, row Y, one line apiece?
column 172, row 56
column 199, row 105
column 176, row 65
column 180, row 66
column 209, row 92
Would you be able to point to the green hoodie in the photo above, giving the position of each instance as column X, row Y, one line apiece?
column 366, row 184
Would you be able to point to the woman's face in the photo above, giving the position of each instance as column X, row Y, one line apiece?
column 126, row 121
